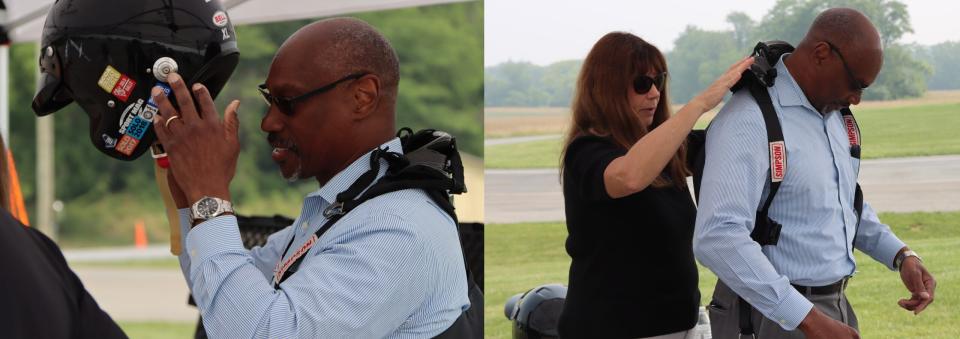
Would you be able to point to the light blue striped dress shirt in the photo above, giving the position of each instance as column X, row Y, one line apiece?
column 391, row 268
column 814, row 204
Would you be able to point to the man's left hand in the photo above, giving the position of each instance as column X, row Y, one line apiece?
column 920, row 283
column 202, row 148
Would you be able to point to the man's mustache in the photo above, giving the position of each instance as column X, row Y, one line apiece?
column 274, row 139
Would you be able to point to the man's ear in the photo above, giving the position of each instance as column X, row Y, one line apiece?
column 366, row 95
column 821, row 52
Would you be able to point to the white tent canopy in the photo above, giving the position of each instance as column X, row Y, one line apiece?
column 25, row 18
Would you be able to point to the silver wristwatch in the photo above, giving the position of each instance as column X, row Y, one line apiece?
column 209, row 207
column 898, row 262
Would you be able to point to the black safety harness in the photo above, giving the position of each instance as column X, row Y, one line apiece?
column 430, row 162
column 761, row 75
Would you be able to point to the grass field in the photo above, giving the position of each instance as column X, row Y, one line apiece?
column 915, row 127
column 522, row 256
column 164, row 263
column 158, row 330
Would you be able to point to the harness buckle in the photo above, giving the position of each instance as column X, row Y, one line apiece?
column 335, row 208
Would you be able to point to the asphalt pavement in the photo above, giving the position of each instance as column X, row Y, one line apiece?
column 890, row 185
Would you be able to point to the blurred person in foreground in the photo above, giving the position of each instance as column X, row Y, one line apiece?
column 40, row 297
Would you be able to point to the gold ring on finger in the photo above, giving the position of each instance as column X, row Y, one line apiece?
column 167, row 123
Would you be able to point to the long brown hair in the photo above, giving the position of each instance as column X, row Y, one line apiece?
column 600, row 104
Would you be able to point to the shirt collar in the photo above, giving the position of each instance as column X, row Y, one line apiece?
column 787, row 90
column 347, row 176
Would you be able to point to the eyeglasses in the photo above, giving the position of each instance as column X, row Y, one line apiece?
column 855, row 84
column 286, row 104
column 642, row 83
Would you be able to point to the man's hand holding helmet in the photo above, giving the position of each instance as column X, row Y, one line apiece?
column 202, row 147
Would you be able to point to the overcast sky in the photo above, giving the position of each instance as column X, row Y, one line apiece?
column 544, row 31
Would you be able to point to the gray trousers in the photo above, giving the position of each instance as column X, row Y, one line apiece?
column 724, row 313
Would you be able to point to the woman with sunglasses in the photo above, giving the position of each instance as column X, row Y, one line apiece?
column 630, row 216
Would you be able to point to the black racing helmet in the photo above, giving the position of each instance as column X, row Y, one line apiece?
column 107, row 55
column 536, row 313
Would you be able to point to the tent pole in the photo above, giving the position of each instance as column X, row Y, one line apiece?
column 4, row 77
column 5, row 93
column 45, row 173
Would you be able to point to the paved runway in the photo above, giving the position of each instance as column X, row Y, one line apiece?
column 517, row 140
column 889, row 185
column 139, row 294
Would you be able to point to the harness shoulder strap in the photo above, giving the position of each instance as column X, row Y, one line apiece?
column 429, row 174
column 430, row 165
column 853, row 135
column 767, row 231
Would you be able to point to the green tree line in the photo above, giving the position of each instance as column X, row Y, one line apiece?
column 440, row 51
column 699, row 56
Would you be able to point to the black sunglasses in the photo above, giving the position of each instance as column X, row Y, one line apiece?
column 855, row 84
column 642, row 83
column 286, row 104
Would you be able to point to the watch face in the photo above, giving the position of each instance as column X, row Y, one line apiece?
column 207, row 207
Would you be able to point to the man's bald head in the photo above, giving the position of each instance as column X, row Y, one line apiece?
column 839, row 57
column 340, row 46
column 845, row 28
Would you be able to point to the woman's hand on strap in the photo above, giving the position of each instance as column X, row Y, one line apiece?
column 711, row 97
column 646, row 159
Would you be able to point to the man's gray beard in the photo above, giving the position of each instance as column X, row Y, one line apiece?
column 295, row 176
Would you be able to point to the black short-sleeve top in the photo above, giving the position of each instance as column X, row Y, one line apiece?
column 633, row 272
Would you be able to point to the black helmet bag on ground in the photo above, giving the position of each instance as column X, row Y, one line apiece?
column 102, row 55
column 536, row 313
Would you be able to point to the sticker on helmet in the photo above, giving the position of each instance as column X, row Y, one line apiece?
column 124, row 88
column 166, row 92
column 109, row 79
column 226, row 35
column 138, row 127
column 148, row 112
column 128, row 114
column 127, row 144
column 108, row 141
column 220, row 19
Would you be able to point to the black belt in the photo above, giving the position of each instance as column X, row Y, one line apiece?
column 823, row 290
column 746, row 323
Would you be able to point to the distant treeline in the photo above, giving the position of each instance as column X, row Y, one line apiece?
column 699, row 56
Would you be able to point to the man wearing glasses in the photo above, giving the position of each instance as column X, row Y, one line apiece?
column 796, row 287
column 390, row 268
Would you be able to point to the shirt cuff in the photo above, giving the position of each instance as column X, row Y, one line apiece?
column 184, row 214
column 213, row 237
column 791, row 311
column 887, row 248
column 185, row 220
